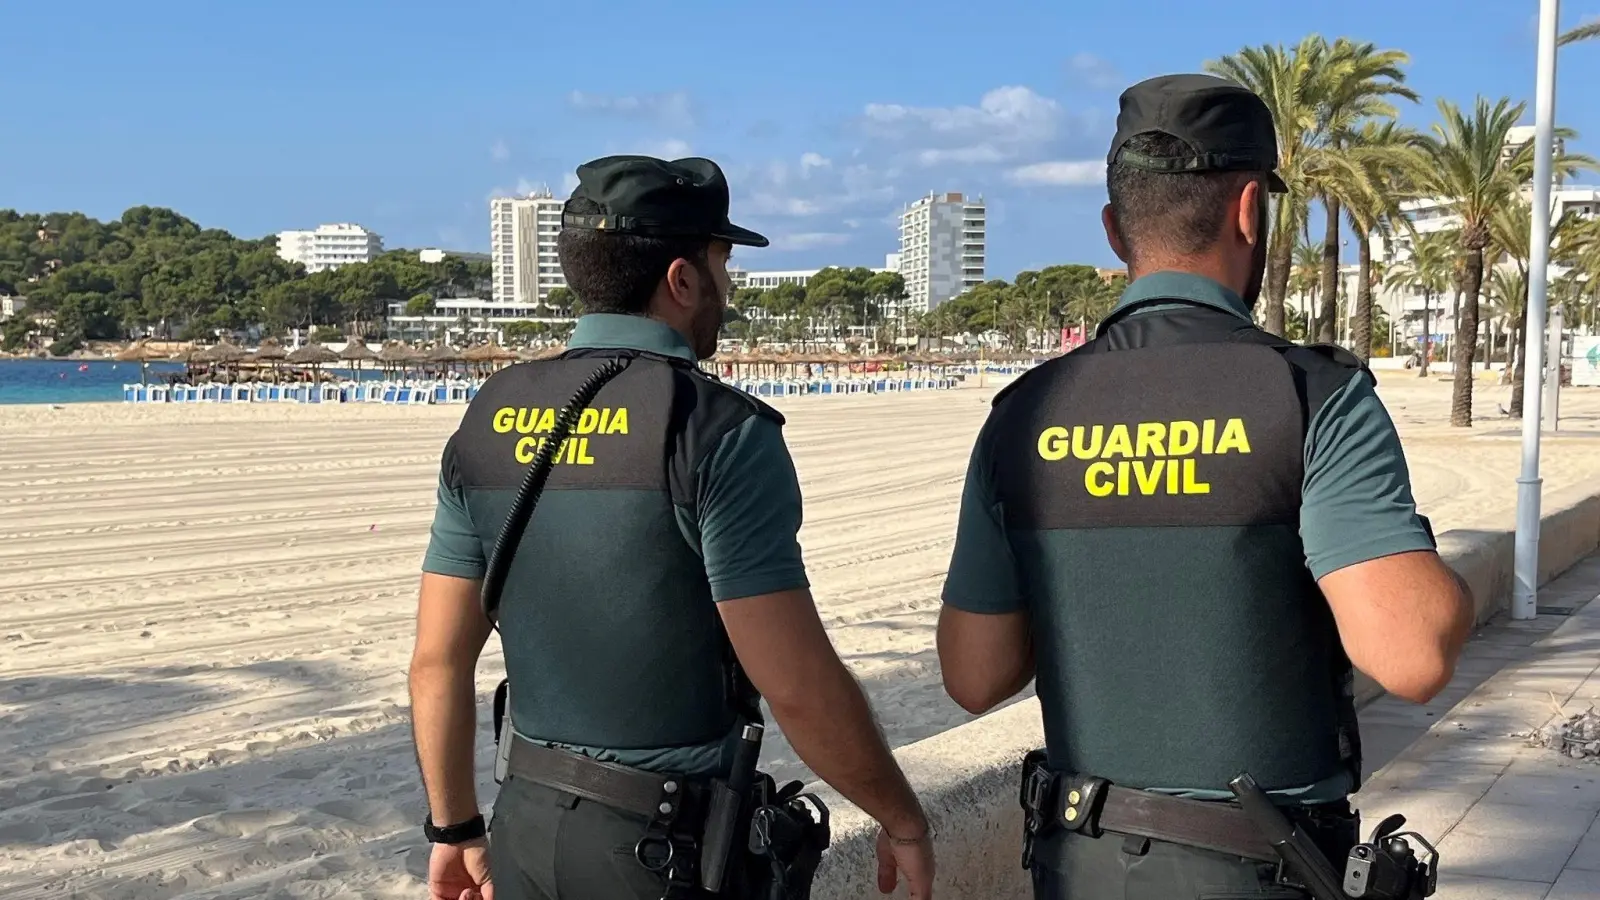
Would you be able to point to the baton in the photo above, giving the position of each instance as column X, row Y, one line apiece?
column 727, row 802
column 1294, row 846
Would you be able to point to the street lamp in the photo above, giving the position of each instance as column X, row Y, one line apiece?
column 1525, row 581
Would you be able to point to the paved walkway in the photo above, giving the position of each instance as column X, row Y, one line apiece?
column 1512, row 822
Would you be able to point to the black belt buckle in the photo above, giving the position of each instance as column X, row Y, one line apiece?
column 1080, row 799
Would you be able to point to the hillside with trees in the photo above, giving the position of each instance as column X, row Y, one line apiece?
column 155, row 271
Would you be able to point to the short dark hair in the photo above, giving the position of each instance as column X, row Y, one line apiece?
column 1179, row 213
column 618, row 273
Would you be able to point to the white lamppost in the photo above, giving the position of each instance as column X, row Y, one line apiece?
column 1525, row 585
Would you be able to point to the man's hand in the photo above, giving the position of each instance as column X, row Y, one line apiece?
column 460, row 872
column 912, row 858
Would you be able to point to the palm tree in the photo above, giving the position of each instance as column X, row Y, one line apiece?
column 1305, row 280
column 1087, row 302
column 1469, row 170
column 1511, row 230
column 1287, row 81
column 1387, row 151
column 1356, row 80
column 1581, row 33
column 1427, row 270
column 1584, row 256
column 1508, row 292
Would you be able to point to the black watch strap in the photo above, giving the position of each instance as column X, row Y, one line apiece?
column 460, row 833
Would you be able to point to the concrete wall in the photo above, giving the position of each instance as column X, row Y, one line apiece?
column 967, row 776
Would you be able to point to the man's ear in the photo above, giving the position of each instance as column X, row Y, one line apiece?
column 1113, row 236
column 683, row 283
column 1252, row 225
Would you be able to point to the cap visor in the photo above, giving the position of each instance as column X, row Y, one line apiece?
column 744, row 237
column 1275, row 184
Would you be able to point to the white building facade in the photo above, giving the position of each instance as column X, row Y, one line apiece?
column 1409, row 306
column 943, row 240
column 522, row 248
column 767, row 280
column 330, row 246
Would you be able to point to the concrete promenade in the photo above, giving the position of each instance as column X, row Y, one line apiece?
column 1511, row 821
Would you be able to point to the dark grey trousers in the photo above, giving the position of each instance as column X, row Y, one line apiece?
column 1071, row 866
column 549, row 845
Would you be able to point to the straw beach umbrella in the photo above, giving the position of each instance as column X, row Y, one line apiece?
column 488, row 354
column 444, row 355
column 315, row 356
column 270, row 351
column 356, row 351
column 397, row 355
column 224, row 352
column 140, row 352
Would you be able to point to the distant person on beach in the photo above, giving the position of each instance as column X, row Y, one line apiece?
column 1190, row 529
column 654, row 598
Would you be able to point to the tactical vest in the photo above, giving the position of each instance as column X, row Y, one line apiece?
column 610, row 633
column 1150, row 483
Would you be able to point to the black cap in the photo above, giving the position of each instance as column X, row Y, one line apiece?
column 1228, row 127
column 648, row 196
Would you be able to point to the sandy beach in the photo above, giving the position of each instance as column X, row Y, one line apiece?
column 206, row 617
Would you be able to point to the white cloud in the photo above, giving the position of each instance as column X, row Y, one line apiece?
column 785, row 190
column 1013, row 111
column 809, row 161
column 499, row 151
column 810, row 240
column 671, row 148
column 768, row 203
column 1008, row 123
column 569, row 183
column 977, row 153
column 1094, row 71
column 1061, row 173
column 672, row 107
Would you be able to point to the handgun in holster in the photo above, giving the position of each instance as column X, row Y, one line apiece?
column 502, row 740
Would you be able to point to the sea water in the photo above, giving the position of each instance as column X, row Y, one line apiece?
column 73, row 380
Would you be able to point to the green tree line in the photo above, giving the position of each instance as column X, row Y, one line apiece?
column 155, row 271
column 1030, row 309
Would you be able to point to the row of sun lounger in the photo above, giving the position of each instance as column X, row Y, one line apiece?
column 462, row 391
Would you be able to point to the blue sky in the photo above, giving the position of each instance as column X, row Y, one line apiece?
column 828, row 115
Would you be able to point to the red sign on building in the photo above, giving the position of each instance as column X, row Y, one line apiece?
column 1073, row 338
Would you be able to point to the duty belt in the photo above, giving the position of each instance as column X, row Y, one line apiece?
column 1093, row 806
column 619, row 787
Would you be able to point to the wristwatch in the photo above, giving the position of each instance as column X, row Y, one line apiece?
column 460, row 833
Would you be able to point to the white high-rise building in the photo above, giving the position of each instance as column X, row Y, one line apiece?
column 522, row 248
column 942, row 245
column 330, row 246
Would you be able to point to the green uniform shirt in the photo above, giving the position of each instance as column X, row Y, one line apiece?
column 744, row 524
column 1356, row 499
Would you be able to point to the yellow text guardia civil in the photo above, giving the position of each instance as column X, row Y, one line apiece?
column 1146, row 458
column 534, row 422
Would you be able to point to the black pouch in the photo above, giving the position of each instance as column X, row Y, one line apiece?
column 788, row 833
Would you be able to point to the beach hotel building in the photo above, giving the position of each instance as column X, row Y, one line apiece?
column 1404, row 307
column 522, row 248
column 330, row 246
column 942, row 244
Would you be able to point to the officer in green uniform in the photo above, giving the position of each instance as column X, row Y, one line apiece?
column 1189, row 529
column 657, row 587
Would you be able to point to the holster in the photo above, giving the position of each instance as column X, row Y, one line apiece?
column 787, row 835
column 502, row 746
